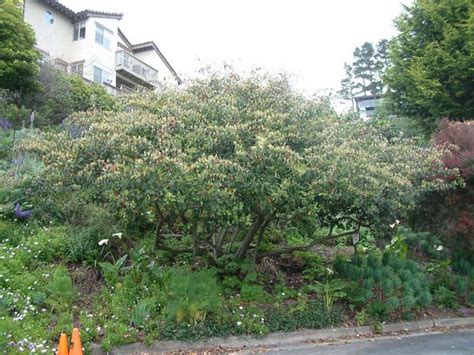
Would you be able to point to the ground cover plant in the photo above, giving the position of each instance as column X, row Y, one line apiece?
column 202, row 211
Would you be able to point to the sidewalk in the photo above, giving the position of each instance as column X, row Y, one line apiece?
column 276, row 341
column 448, row 342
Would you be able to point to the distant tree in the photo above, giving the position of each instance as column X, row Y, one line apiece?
column 365, row 68
column 348, row 85
column 381, row 55
column 432, row 59
column 18, row 57
column 381, row 62
column 365, row 74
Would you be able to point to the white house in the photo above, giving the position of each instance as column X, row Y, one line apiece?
column 367, row 104
column 90, row 43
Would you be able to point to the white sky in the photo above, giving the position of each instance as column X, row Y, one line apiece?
column 308, row 38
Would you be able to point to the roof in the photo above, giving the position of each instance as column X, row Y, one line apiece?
column 77, row 16
column 123, row 38
column 150, row 45
column 135, row 48
column 367, row 97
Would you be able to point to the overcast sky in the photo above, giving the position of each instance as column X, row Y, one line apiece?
column 308, row 38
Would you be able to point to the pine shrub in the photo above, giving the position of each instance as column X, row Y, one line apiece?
column 386, row 286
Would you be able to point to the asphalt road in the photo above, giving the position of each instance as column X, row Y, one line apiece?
column 454, row 342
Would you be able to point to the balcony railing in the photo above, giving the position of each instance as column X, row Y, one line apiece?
column 135, row 67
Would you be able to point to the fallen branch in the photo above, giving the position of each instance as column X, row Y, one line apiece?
column 304, row 247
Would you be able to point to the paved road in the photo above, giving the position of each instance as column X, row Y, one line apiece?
column 455, row 342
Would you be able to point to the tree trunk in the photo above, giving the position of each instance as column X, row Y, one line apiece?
column 254, row 228
column 194, row 235
column 158, row 240
column 259, row 240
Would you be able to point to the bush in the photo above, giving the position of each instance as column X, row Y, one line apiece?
column 62, row 94
column 445, row 298
column 59, row 96
column 191, row 296
column 312, row 315
column 60, row 290
column 426, row 243
column 91, row 224
column 385, row 286
column 451, row 279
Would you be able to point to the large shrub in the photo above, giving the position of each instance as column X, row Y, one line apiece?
column 212, row 167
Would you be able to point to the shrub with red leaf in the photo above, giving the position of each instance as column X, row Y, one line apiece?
column 451, row 213
column 458, row 138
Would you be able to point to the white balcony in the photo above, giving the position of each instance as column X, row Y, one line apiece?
column 133, row 68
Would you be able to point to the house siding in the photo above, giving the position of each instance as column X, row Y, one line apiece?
column 96, row 55
column 153, row 59
column 56, row 38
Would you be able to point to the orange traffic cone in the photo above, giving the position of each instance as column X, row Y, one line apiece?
column 62, row 347
column 76, row 345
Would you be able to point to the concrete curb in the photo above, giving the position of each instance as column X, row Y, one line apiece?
column 275, row 340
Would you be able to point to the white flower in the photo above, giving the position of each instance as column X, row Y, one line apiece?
column 439, row 248
column 104, row 241
column 118, row 235
column 239, row 323
column 397, row 222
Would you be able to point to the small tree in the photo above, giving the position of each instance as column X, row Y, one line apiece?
column 18, row 57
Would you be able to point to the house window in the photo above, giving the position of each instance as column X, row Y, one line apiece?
column 48, row 17
column 77, row 68
column 102, row 76
column 79, row 31
column 102, row 36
